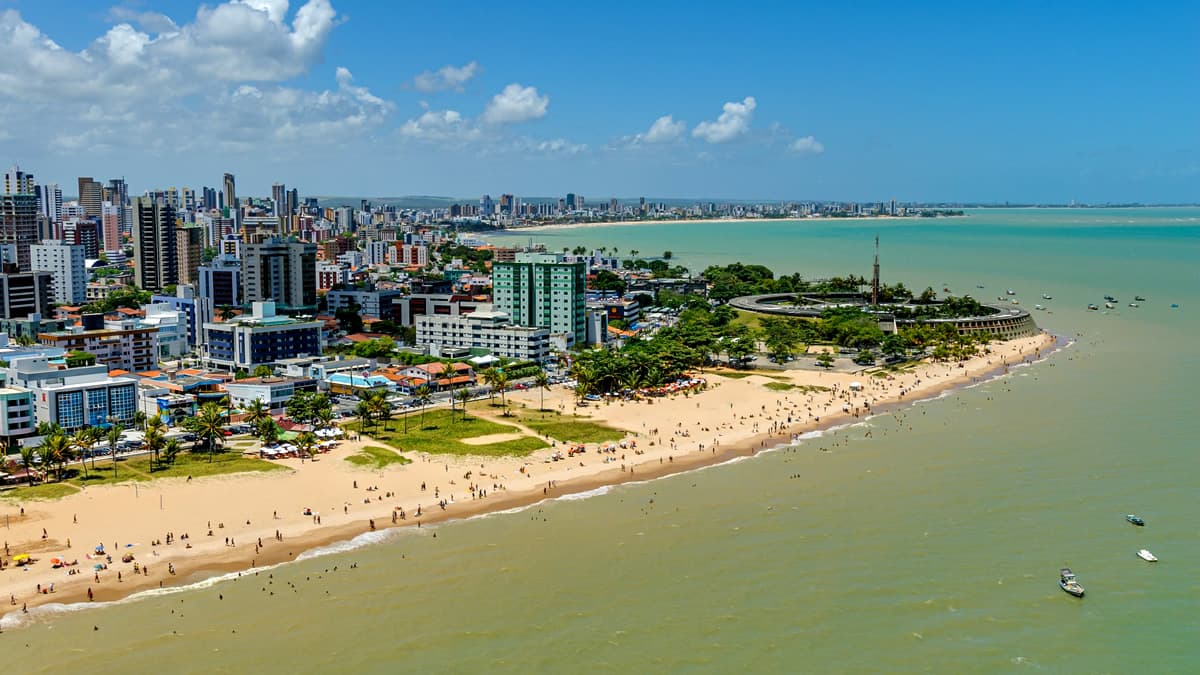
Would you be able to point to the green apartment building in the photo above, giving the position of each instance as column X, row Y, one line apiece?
column 540, row 290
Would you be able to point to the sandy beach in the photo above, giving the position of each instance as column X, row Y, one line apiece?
column 209, row 526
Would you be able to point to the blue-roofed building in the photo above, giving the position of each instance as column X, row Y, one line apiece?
column 260, row 338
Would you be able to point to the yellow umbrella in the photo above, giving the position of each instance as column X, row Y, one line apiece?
column 20, row 556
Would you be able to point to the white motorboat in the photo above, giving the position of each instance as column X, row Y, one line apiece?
column 1147, row 556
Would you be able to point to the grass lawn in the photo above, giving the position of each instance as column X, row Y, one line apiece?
column 569, row 427
column 138, row 469
column 441, row 434
column 747, row 318
column 376, row 457
column 779, row 386
column 44, row 491
column 741, row 374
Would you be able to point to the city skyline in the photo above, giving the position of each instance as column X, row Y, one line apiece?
column 919, row 104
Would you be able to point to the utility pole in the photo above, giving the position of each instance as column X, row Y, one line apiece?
column 875, row 276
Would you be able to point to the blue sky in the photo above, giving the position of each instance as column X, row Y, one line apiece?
column 914, row 101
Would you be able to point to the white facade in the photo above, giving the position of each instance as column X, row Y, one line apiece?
column 172, row 326
column 487, row 330
column 68, row 273
column 377, row 252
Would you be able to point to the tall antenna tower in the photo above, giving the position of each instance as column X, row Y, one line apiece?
column 875, row 276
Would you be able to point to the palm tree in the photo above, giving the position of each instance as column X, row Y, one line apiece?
column 268, row 431
column 113, row 436
column 307, row 442
column 209, row 425
column 381, row 407
column 502, row 385
column 155, row 438
column 81, row 442
column 424, row 395
column 363, row 411
column 171, row 449
column 542, row 381
column 324, row 417
column 25, row 340
column 27, row 455
column 55, row 450
column 48, row 429
column 257, row 411
column 139, row 420
column 464, row 396
column 449, row 371
column 489, row 378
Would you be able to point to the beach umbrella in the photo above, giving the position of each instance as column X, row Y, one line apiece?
column 20, row 556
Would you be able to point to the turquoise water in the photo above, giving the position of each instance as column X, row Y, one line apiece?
column 933, row 545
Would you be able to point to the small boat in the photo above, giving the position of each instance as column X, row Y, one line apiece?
column 1110, row 298
column 1092, row 307
column 1135, row 520
column 1068, row 583
column 1038, row 307
column 1016, row 301
column 1010, row 292
column 946, row 289
column 1046, row 297
column 1147, row 556
column 1134, row 304
column 1139, row 298
column 1174, row 305
column 1109, row 305
column 978, row 285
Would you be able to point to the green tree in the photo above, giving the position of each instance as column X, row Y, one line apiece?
column 423, row 395
column 263, row 371
column 307, row 443
column 464, row 396
column 825, row 360
column 27, row 453
column 209, row 426
column 542, row 381
column 171, row 450
column 155, row 438
column 113, row 436
column 256, row 412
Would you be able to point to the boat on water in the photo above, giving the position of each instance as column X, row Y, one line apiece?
column 1038, row 307
column 1139, row 298
column 1134, row 304
column 1092, row 306
column 978, row 285
column 1015, row 301
column 1068, row 583
column 1010, row 292
column 1147, row 555
column 1110, row 298
column 1046, row 297
column 1109, row 305
column 1135, row 520
column 1174, row 305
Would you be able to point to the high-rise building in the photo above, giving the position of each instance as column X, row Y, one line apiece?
column 230, row 193
column 542, row 290
column 291, row 203
column 24, row 293
column 91, row 196
column 19, row 214
column 154, row 244
column 85, row 232
column 281, row 271
column 278, row 190
column 189, row 247
column 221, row 281
column 209, row 201
column 50, row 202
column 118, row 194
column 65, row 263
column 110, row 226
column 486, row 206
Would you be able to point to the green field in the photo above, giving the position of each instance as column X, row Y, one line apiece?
column 440, row 432
column 569, row 428
column 138, row 469
column 376, row 457
column 779, row 386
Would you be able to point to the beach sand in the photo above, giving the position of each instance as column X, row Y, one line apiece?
column 733, row 417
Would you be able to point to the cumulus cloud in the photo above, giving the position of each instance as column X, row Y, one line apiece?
column 214, row 82
column 516, row 104
column 446, row 77
column 807, row 146
column 153, row 22
column 560, row 146
column 441, row 125
column 733, row 122
column 664, row 129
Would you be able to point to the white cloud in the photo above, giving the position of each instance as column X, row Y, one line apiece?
column 807, row 146
column 664, row 129
column 150, row 21
column 211, row 84
column 516, row 104
column 560, row 146
column 440, row 125
column 446, row 77
column 733, row 122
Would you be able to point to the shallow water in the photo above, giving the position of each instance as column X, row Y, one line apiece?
column 932, row 545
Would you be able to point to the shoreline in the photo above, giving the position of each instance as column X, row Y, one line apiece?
column 209, row 561
column 702, row 221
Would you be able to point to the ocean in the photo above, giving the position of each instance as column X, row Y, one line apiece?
column 931, row 545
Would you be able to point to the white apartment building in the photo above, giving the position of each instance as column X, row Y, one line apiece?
column 68, row 272
column 485, row 329
column 172, row 326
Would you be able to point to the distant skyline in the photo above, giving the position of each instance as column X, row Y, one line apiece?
column 1032, row 102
